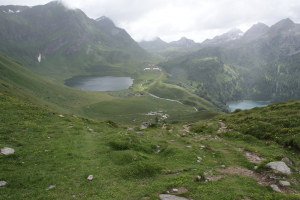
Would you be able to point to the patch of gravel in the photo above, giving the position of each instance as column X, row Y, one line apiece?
column 251, row 156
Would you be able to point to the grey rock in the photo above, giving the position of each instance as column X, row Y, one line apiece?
column 287, row 161
column 284, row 183
column 3, row 183
column 90, row 177
column 275, row 188
column 144, row 125
column 280, row 167
column 51, row 187
column 198, row 178
column 7, row 151
column 171, row 197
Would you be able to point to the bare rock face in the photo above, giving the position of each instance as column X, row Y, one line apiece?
column 171, row 197
column 280, row 167
column 7, row 151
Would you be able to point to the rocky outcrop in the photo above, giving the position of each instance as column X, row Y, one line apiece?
column 279, row 167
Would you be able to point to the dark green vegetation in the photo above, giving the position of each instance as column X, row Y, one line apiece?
column 196, row 75
column 59, row 141
column 277, row 122
column 126, row 164
column 68, row 41
column 262, row 64
column 123, row 107
column 56, row 43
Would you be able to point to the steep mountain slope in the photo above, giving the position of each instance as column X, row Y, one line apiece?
column 52, row 39
column 265, row 60
column 255, row 32
column 207, row 77
column 223, row 39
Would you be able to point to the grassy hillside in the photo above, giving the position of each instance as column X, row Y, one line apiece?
column 278, row 122
column 208, row 77
column 23, row 83
column 123, row 106
column 61, row 151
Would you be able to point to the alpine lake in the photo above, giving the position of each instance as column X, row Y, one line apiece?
column 246, row 104
column 100, row 83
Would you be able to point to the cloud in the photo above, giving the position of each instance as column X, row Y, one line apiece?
column 172, row 19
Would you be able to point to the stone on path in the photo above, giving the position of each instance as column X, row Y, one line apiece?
column 3, row 183
column 280, row 167
column 275, row 188
column 7, row 151
column 90, row 177
column 171, row 197
column 284, row 183
column 180, row 190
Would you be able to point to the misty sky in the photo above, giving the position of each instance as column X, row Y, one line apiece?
column 172, row 19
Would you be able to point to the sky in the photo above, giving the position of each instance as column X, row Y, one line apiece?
column 172, row 19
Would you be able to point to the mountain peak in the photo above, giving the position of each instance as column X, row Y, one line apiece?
column 184, row 39
column 184, row 42
column 283, row 25
column 105, row 21
column 231, row 35
column 158, row 39
column 55, row 3
column 256, row 31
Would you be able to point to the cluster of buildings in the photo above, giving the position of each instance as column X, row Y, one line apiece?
column 152, row 67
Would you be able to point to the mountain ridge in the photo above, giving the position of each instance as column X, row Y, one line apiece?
column 66, row 37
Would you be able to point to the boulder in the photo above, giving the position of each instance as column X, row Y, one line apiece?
column 144, row 125
column 7, row 151
column 171, row 197
column 280, row 167
column 275, row 188
column 284, row 183
column 3, row 183
column 90, row 177
column 51, row 187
